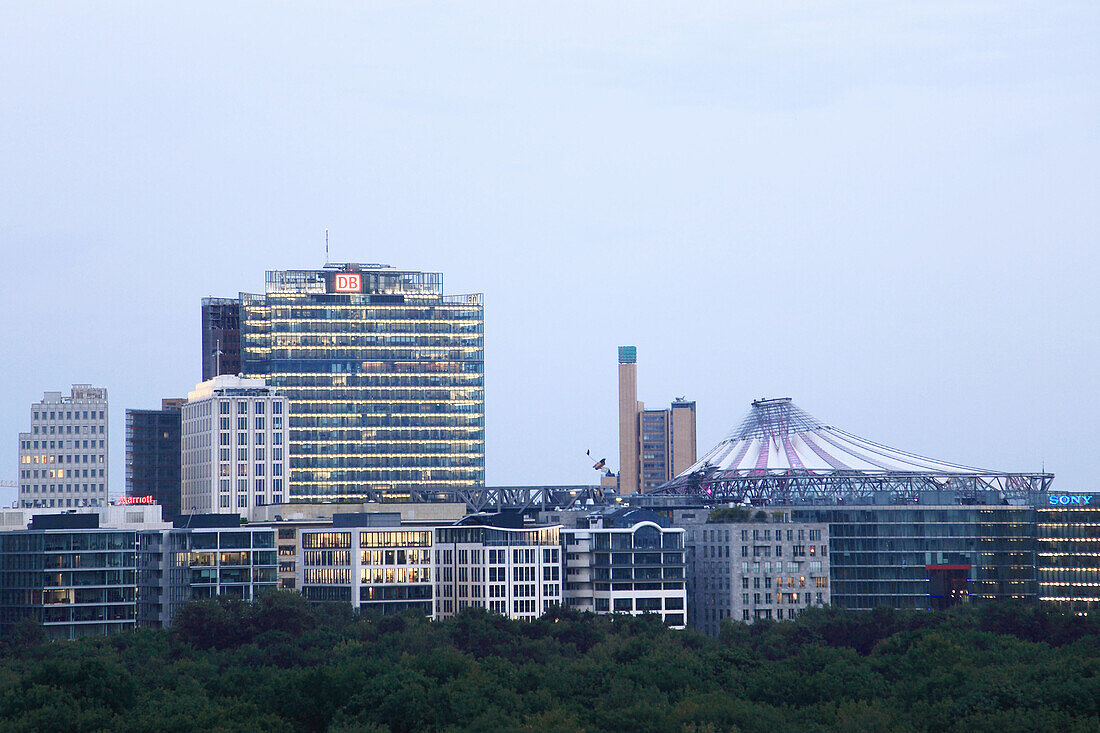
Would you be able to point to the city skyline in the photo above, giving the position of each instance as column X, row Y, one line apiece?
column 886, row 216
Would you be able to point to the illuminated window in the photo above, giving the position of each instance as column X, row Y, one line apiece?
column 326, row 540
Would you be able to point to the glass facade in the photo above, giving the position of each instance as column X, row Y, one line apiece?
column 153, row 457
column 75, row 583
column 178, row 565
column 233, row 563
column 1069, row 552
column 384, row 570
column 385, row 377
column 221, row 337
column 922, row 557
column 629, row 568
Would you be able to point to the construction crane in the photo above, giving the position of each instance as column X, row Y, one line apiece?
column 14, row 485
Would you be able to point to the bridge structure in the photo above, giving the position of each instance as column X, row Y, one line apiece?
column 505, row 498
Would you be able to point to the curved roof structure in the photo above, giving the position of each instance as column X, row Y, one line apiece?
column 780, row 453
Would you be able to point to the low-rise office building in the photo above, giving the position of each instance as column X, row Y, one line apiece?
column 291, row 518
column 746, row 570
column 368, row 560
column 202, row 556
column 1068, row 551
column 377, row 563
column 72, row 573
column 928, row 555
column 624, row 560
column 498, row 564
column 213, row 557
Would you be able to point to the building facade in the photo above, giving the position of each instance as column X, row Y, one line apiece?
column 385, row 376
column 376, row 563
column 512, row 570
column 153, row 456
column 654, row 445
column 73, row 573
column 290, row 519
column 221, row 337
column 682, row 440
column 63, row 458
column 113, row 568
column 1068, row 551
column 369, row 561
column 625, row 561
column 928, row 555
column 234, row 446
column 746, row 570
column 201, row 556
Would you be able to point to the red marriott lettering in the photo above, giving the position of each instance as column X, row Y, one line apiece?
column 135, row 500
column 348, row 282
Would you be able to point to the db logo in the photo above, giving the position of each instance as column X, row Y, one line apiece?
column 348, row 283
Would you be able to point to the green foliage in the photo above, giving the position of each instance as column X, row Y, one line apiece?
column 728, row 515
column 280, row 664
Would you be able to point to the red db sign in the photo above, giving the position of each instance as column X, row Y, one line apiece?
column 347, row 282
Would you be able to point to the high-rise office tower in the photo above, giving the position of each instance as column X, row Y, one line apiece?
column 153, row 455
column 221, row 337
column 681, row 436
column 63, row 459
column 385, row 376
column 654, row 445
column 629, row 407
column 234, row 436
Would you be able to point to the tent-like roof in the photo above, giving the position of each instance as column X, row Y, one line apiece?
column 777, row 435
column 780, row 453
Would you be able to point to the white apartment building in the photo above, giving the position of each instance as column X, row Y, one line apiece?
column 63, row 459
column 624, row 560
column 234, row 443
column 374, row 562
column 513, row 570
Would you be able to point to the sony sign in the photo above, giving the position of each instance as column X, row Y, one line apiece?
column 347, row 282
column 1064, row 499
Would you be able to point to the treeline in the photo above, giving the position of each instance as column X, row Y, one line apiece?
column 281, row 664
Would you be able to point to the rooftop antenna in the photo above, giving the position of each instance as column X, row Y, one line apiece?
column 326, row 245
column 218, row 356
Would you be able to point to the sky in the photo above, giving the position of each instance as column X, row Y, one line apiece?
column 885, row 211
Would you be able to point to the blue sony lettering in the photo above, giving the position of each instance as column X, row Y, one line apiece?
column 1063, row 499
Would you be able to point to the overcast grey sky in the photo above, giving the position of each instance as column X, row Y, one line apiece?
column 887, row 211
